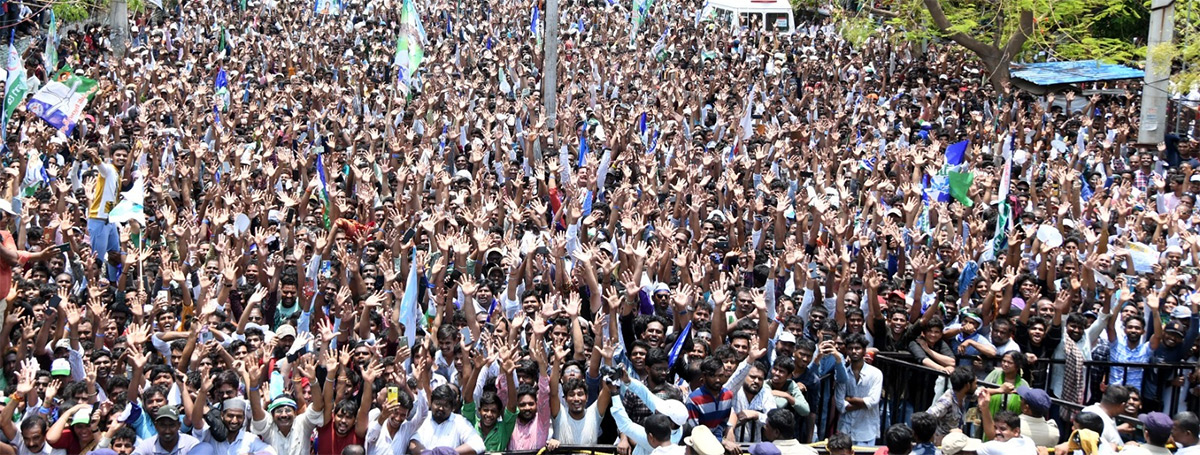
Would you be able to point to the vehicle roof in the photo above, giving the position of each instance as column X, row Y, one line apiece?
column 772, row 5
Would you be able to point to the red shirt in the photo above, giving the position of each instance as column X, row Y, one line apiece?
column 6, row 271
column 329, row 443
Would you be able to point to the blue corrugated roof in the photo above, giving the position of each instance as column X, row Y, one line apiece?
column 1052, row 73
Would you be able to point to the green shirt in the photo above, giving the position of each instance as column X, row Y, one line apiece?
column 497, row 439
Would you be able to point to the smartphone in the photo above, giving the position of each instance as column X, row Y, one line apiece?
column 393, row 394
column 403, row 341
column 63, row 247
column 826, row 337
column 408, row 235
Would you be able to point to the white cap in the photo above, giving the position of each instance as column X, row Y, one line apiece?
column 676, row 410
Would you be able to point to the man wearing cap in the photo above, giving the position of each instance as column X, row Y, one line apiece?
column 233, row 415
column 1035, row 406
column 169, row 441
column 675, row 410
column 79, row 437
column 659, row 428
column 1157, row 427
column 702, row 442
column 1178, row 336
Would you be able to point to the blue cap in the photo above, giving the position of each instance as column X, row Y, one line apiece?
column 1037, row 399
column 1157, row 423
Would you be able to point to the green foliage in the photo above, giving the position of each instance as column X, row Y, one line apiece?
column 1063, row 29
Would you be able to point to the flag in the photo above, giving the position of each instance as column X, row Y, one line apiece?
column 15, row 88
column 700, row 14
column 659, row 51
column 678, row 346
column 409, row 52
column 50, row 56
column 955, row 153
column 960, row 185
column 61, row 104
column 583, row 147
column 408, row 304
column 869, row 163
column 642, row 124
column 158, row 3
column 533, row 23
column 324, row 186
column 937, row 189
column 222, row 89
column 130, row 207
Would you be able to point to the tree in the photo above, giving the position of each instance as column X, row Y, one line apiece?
column 999, row 33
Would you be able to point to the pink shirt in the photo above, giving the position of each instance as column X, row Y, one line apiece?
column 530, row 435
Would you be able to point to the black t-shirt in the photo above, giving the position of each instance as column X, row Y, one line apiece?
column 885, row 341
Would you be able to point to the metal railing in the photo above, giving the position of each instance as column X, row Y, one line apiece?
column 915, row 392
column 600, row 449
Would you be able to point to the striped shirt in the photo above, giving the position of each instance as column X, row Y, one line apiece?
column 710, row 409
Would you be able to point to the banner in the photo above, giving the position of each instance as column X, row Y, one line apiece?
column 60, row 104
column 328, row 7
column 50, row 56
column 15, row 88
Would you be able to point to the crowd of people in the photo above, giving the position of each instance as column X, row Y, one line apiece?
column 711, row 246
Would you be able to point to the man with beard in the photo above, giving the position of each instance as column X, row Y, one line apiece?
column 533, row 406
column 752, row 402
column 858, row 395
column 233, row 415
column 1077, row 331
column 279, row 426
column 350, row 418
column 169, row 440
column 575, row 423
column 950, row 408
column 31, row 439
column 446, row 429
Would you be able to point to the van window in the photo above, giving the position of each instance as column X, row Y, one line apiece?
column 777, row 22
column 723, row 17
column 751, row 18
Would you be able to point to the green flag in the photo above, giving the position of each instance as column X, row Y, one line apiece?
column 16, row 87
column 960, row 186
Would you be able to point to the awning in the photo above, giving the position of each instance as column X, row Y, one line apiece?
column 1056, row 73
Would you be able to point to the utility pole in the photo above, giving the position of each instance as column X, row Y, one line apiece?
column 119, row 21
column 1155, row 96
column 550, row 65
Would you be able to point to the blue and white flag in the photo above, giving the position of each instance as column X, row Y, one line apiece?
column 678, row 346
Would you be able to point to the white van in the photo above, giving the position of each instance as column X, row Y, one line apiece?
column 771, row 15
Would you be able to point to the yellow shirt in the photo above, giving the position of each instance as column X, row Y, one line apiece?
column 105, row 197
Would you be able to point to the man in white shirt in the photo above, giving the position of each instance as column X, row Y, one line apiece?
column 282, row 430
column 751, row 402
column 1185, row 432
column 397, row 424
column 658, row 435
column 31, row 440
column 858, row 393
column 445, row 429
column 1109, row 407
column 1004, row 432
column 233, row 415
column 169, row 441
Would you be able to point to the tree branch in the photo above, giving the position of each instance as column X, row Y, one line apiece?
column 1019, row 37
column 943, row 24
